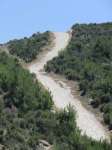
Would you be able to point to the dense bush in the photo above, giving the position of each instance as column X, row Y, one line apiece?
column 22, row 99
column 88, row 59
column 28, row 48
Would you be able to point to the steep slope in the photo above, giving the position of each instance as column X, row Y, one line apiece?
column 62, row 96
column 27, row 116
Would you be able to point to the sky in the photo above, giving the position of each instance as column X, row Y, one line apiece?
column 19, row 18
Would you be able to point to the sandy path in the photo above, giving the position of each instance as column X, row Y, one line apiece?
column 62, row 96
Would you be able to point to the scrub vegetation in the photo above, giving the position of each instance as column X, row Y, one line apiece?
column 28, row 48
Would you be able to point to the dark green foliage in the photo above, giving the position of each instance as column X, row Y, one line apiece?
column 28, row 48
column 22, row 98
column 87, row 59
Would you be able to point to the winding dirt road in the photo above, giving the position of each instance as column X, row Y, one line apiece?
column 62, row 96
